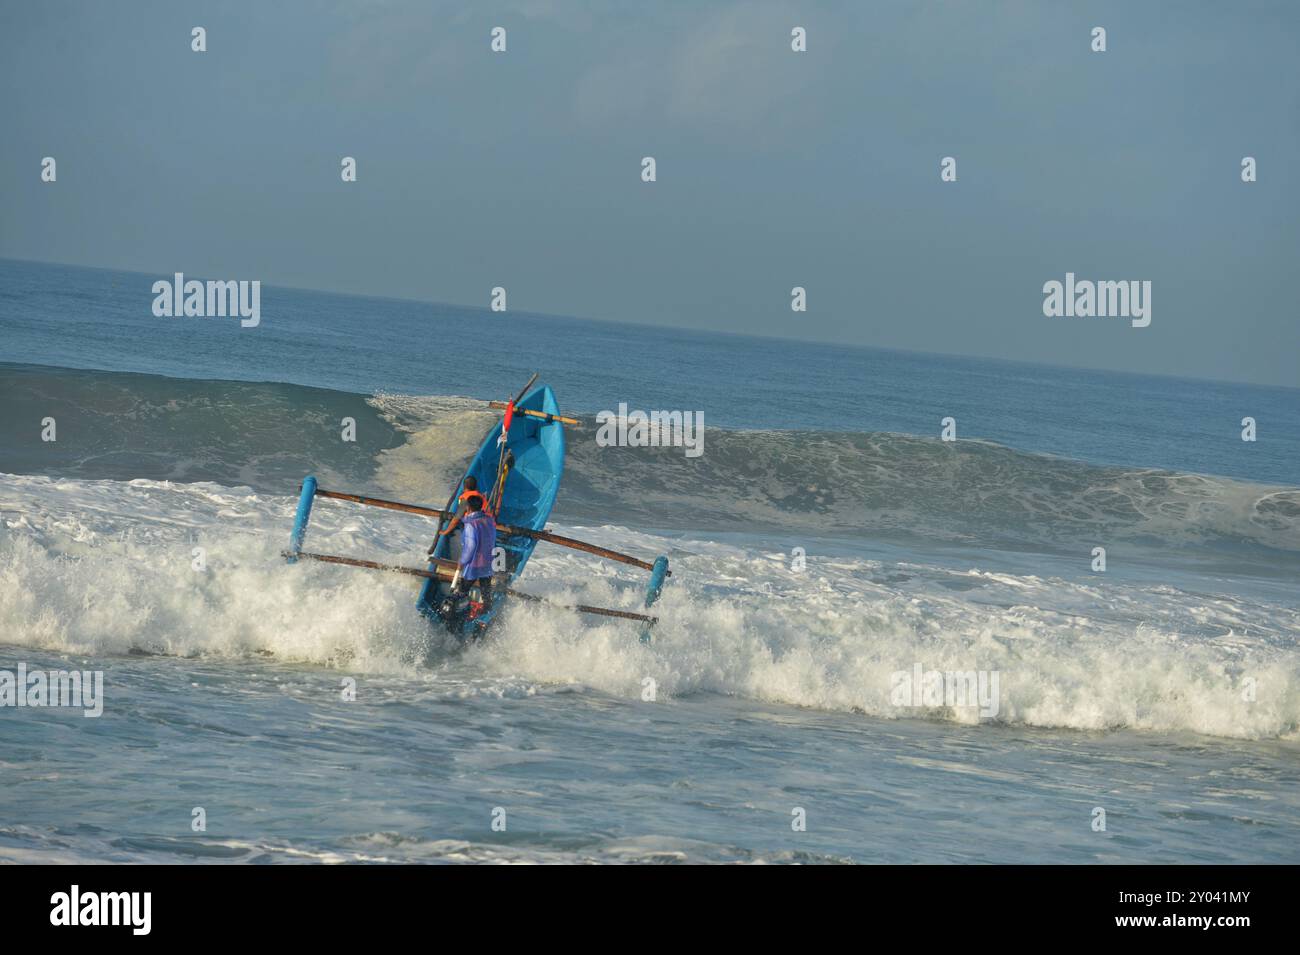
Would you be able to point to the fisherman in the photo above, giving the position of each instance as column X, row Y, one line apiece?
column 470, row 490
column 478, row 541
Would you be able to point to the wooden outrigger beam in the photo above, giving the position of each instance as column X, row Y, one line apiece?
column 450, row 565
column 380, row 502
column 447, row 574
column 506, row 529
column 584, row 608
column 578, row 545
column 542, row 415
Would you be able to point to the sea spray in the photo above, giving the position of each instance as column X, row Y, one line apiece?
column 1071, row 650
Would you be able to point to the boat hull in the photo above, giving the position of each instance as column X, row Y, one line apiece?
column 526, row 501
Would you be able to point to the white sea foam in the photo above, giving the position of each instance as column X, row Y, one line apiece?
column 105, row 567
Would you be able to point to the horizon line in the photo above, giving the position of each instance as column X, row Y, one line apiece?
column 709, row 331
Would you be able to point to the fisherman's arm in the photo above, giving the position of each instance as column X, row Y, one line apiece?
column 455, row 521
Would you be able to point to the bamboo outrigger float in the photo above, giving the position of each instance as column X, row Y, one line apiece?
column 518, row 469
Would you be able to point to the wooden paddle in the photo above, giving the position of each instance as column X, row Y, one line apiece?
column 523, row 391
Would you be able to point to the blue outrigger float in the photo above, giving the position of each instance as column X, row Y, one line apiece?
column 518, row 469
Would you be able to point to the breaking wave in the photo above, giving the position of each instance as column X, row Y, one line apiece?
column 102, row 568
column 886, row 486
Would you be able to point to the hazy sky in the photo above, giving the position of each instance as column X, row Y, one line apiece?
column 775, row 168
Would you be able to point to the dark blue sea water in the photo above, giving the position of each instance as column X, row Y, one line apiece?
column 825, row 542
column 93, row 318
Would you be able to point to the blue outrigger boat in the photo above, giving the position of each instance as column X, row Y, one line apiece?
column 518, row 469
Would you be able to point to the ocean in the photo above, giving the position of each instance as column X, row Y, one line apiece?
column 827, row 547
